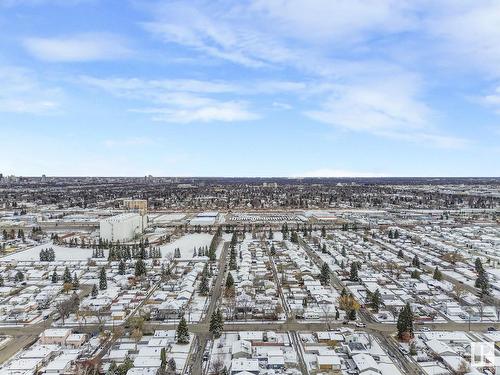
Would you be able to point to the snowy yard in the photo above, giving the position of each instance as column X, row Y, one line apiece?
column 187, row 244
column 62, row 253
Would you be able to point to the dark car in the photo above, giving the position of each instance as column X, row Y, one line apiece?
column 491, row 329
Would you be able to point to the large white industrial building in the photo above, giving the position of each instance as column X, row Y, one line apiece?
column 123, row 227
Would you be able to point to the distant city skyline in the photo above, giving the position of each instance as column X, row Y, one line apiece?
column 263, row 88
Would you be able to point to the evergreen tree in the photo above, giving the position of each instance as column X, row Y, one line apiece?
column 182, row 332
column 401, row 254
column 273, row 250
column 405, row 322
column 140, row 268
column 216, row 323
column 19, row 276
column 234, row 239
column 478, row 265
column 55, row 278
column 482, row 283
column 437, row 274
column 121, row 268
column 324, row 276
column 103, row 282
column 415, row 274
column 229, row 281
column 354, row 272
column 271, row 234
column 67, row 276
column 376, row 300
column 75, row 281
column 232, row 259
column 323, row 231
column 94, row 292
column 415, row 262
column 204, row 284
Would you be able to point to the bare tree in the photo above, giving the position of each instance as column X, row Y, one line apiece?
column 217, row 366
column 459, row 291
column 327, row 313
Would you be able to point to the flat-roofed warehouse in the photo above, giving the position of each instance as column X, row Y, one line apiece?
column 123, row 227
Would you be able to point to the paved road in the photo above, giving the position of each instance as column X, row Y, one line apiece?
column 196, row 355
column 293, row 334
column 25, row 335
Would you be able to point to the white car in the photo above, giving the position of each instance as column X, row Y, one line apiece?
column 360, row 325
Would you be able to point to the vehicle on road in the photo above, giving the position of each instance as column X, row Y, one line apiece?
column 491, row 329
column 360, row 324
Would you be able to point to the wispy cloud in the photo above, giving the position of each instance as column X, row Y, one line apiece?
column 211, row 111
column 23, row 92
column 178, row 101
column 466, row 31
column 388, row 108
column 359, row 87
column 78, row 48
column 492, row 100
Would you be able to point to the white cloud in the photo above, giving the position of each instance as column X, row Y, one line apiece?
column 23, row 92
column 339, row 21
column 281, row 105
column 468, row 31
column 389, row 108
column 178, row 101
column 327, row 172
column 78, row 48
column 136, row 87
column 492, row 100
column 213, row 111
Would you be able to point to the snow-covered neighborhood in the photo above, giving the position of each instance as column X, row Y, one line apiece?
column 136, row 286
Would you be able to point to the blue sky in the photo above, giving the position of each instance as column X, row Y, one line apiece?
column 250, row 88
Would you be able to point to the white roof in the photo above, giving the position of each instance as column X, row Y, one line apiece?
column 142, row 371
column 328, row 360
column 56, row 332
column 440, row 347
column 241, row 346
column 147, row 362
column 251, row 335
column 61, row 362
column 364, row 362
column 238, row 365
